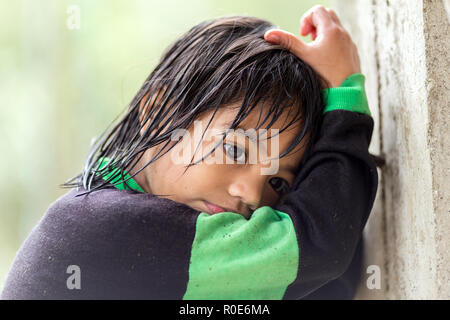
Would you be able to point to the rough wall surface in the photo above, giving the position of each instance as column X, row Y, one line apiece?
column 404, row 47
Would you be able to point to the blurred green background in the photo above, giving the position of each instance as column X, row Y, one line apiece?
column 62, row 86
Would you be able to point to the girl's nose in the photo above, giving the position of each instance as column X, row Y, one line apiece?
column 249, row 188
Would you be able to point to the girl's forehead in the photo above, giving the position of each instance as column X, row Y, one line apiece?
column 225, row 116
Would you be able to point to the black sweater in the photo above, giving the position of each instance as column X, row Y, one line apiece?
column 124, row 244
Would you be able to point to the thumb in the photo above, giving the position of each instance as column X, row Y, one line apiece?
column 287, row 40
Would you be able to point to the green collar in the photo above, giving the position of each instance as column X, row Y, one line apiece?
column 126, row 185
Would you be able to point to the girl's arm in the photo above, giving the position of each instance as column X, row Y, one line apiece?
column 334, row 191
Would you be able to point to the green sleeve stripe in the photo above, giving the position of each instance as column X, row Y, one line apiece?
column 349, row 96
column 234, row 258
column 130, row 183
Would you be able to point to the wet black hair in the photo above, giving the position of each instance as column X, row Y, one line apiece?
column 216, row 63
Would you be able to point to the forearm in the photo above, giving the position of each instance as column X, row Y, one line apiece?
column 334, row 190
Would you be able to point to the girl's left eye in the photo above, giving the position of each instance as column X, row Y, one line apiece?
column 234, row 152
column 280, row 185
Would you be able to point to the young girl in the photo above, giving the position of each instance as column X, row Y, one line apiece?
column 142, row 225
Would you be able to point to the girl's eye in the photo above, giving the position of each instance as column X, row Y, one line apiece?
column 280, row 185
column 234, row 152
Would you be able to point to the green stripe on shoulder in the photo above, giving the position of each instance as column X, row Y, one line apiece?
column 349, row 96
column 128, row 182
column 235, row 258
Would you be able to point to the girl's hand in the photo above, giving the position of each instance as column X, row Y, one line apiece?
column 332, row 52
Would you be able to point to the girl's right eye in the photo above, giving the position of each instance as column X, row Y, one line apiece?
column 234, row 152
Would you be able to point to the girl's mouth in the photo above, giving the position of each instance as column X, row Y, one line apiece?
column 212, row 208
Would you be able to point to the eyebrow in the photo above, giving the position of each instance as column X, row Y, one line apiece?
column 291, row 168
column 247, row 134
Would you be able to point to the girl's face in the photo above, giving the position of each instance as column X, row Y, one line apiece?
column 235, row 176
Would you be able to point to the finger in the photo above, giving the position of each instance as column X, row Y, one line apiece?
column 286, row 40
column 315, row 18
column 334, row 16
column 306, row 26
column 313, row 35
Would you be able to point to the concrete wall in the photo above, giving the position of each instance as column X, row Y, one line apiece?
column 404, row 46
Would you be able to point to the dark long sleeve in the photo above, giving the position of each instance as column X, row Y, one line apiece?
column 334, row 195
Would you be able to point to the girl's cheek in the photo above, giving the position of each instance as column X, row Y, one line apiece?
column 269, row 198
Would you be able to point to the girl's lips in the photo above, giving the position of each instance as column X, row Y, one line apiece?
column 213, row 208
